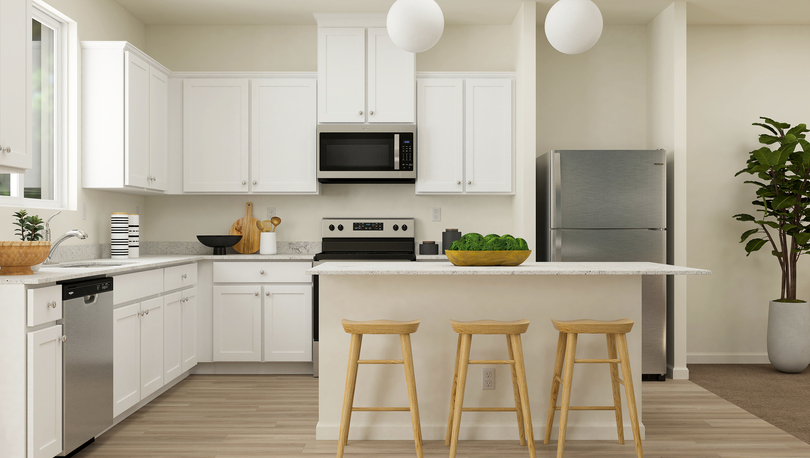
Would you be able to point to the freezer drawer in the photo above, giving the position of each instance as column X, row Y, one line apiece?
column 607, row 245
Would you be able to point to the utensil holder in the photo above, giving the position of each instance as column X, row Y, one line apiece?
column 268, row 243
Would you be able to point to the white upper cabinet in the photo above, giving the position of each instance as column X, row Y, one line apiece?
column 390, row 79
column 124, row 118
column 15, row 85
column 215, row 135
column 341, row 74
column 440, row 136
column 488, row 143
column 348, row 92
column 283, row 121
column 465, row 136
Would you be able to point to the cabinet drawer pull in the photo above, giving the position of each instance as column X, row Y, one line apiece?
column 458, row 182
column 261, row 272
column 52, row 304
column 185, row 276
column 469, row 182
column 146, row 312
column 361, row 112
column 256, row 294
column 267, row 293
column 63, row 338
column 254, row 182
column 371, row 112
column 244, row 182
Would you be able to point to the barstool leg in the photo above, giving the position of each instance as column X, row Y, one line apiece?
column 463, row 363
column 453, row 395
column 520, row 367
column 628, row 387
column 614, row 380
column 570, row 354
column 516, row 392
column 555, row 386
column 410, row 381
column 348, row 395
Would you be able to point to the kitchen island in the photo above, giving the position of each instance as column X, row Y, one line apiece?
column 436, row 292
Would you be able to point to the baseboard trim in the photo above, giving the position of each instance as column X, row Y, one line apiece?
column 727, row 358
column 478, row 431
column 257, row 368
column 677, row 373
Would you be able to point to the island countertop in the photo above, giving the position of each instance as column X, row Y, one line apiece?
column 531, row 268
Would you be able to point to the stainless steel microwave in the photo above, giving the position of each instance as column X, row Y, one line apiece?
column 362, row 153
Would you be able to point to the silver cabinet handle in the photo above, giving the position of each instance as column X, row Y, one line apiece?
column 261, row 272
column 254, row 182
column 370, row 112
column 8, row 148
column 469, row 182
column 52, row 304
column 185, row 275
column 458, row 182
column 256, row 294
column 147, row 311
column 267, row 294
column 244, row 182
column 361, row 112
column 63, row 338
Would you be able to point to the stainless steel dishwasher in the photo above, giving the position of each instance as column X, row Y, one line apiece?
column 87, row 306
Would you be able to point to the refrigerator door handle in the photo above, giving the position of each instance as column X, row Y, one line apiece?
column 556, row 246
column 556, row 200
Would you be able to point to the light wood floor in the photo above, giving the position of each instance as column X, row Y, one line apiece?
column 224, row 416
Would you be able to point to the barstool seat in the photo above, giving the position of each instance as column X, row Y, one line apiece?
column 512, row 330
column 622, row 326
column 357, row 329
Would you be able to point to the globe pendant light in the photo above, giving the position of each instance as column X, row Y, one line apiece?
column 415, row 25
column 573, row 26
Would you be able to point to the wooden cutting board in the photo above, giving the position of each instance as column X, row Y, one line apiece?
column 246, row 227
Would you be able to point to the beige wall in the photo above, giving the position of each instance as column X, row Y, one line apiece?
column 96, row 20
column 594, row 100
column 295, row 48
column 736, row 74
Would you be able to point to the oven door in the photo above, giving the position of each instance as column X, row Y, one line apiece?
column 364, row 157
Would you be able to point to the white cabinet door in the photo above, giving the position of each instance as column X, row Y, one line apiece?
column 172, row 336
column 126, row 357
column 151, row 346
column 189, row 329
column 237, row 323
column 215, row 135
column 158, row 129
column 287, row 323
column 488, row 146
column 45, row 392
column 283, row 136
column 136, row 121
column 15, row 84
column 341, row 74
column 440, row 134
column 390, row 79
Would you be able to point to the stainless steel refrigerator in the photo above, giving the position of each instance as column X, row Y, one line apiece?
column 609, row 205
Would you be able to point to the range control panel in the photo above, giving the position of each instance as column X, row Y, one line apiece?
column 367, row 227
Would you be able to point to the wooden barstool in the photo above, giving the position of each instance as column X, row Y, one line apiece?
column 512, row 330
column 357, row 329
column 615, row 332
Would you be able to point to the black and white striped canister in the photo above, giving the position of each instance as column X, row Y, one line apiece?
column 134, row 236
column 119, row 236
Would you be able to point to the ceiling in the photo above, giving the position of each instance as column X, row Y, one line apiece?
column 457, row 12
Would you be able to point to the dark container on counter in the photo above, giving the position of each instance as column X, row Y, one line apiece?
column 428, row 247
column 449, row 236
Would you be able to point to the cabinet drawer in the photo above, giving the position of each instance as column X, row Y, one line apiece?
column 179, row 276
column 130, row 287
column 262, row 272
column 44, row 305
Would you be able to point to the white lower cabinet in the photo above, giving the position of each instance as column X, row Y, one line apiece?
column 151, row 346
column 45, row 392
column 189, row 328
column 172, row 336
column 237, row 323
column 287, row 322
column 126, row 357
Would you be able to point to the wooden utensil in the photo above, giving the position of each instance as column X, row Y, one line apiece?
column 247, row 228
column 276, row 221
column 268, row 225
column 260, row 226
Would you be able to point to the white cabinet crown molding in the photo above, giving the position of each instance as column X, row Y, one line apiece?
column 125, row 46
column 248, row 75
column 351, row 19
column 465, row 75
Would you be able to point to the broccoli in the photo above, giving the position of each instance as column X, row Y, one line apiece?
column 491, row 236
column 456, row 245
column 473, row 241
column 498, row 244
column 492, row 242
column 522, row 244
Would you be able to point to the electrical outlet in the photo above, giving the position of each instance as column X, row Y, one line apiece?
column 437, row 214
column 84, row 211
column 271, row 212
column 488, row 378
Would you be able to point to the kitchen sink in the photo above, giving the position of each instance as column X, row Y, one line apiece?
column 87, row 264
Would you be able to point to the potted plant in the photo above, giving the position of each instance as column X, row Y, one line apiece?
column 17, row 258
column 782, row 171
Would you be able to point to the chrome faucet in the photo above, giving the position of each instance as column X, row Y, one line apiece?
column 81, row 235
column 48, row 226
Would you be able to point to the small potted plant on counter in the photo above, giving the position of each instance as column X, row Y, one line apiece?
column 782, row 171
column 17, row 258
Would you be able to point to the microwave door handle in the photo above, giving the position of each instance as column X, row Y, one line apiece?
column 396, row 151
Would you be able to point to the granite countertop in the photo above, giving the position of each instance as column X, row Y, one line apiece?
column 50, row 274
column 535, row 268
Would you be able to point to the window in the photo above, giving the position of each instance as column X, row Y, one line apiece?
column 45, row 184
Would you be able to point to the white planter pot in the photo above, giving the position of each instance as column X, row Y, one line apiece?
column 789, row 336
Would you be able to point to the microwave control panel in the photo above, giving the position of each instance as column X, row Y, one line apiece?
column 406, row 151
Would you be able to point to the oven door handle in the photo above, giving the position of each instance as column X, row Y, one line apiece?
column 396, row 151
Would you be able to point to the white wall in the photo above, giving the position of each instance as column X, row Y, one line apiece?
column 736, row 74
column 97, row 20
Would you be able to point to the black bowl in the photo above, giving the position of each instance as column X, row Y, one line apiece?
column 219, row 242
